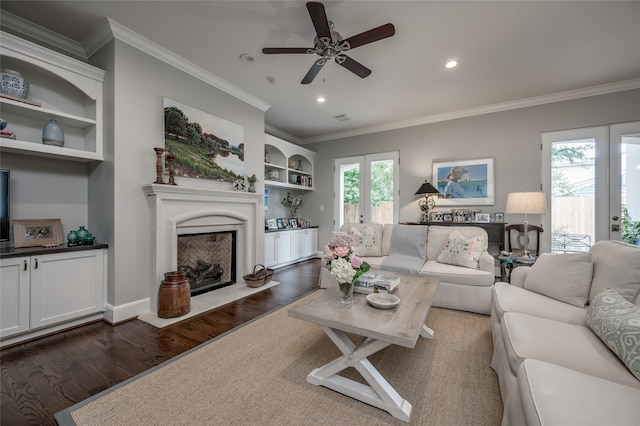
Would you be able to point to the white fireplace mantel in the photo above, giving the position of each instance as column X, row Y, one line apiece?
column 175, row 207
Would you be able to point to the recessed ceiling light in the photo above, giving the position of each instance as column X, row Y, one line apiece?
column 320, row 99
column 245, row 57
column 451, row 64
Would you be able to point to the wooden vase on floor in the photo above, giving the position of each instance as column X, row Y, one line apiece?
column 174, row 296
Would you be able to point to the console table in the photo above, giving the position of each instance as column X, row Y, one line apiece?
column 494, row 230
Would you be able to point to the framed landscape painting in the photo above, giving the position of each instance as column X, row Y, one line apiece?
column 204, row 146
column 464, row 182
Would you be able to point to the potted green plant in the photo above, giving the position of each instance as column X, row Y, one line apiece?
column 252, row 182
column 630, row 228
column 293, row 203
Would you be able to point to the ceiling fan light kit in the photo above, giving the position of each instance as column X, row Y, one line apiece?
column 328, row 44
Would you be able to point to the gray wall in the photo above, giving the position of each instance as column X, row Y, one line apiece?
column 512, row 138
column 134, row 92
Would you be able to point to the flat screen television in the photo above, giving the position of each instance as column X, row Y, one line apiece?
column 4, row 205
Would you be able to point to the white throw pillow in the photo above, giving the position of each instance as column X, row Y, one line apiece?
column 616, row 265
column 461, row 251
column 562, row 276
column 367, row 239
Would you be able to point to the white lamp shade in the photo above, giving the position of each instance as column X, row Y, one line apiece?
column 526, row 202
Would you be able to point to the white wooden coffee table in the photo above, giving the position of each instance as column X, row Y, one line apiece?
column 399, row 326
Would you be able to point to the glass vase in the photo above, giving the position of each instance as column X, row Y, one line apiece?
column 346, row 293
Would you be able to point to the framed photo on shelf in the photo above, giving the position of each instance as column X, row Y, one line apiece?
column 280, row 223
column 293, row 222
column 483, row 218
column 37, row 232
column 499, row 217
column 447, row 217
column 271, row 224
column 464, row 182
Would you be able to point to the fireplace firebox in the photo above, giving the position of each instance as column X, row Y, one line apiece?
column 208, row 259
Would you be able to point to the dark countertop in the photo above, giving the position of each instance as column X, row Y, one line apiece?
column 268, row 231
column 37, row 251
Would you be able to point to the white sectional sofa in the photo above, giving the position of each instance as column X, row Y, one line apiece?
column 549, row 329
column 456, row 255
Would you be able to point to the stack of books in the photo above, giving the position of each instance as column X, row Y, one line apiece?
column 375, row 282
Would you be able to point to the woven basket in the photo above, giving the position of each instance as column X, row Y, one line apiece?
column 259, row 276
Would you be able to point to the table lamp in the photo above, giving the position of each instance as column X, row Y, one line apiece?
column 527, row 203
column 427, row 202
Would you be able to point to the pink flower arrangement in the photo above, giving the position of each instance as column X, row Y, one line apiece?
column 341, row 259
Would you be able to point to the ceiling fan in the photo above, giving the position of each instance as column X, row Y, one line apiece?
column 328, row 44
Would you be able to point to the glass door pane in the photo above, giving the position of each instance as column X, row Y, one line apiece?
column 350, row 193
column 575, row 170
column 572, row 195
column 625, row 199
column 382, row 194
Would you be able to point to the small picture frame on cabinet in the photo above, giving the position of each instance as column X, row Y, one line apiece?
column 37, row 232
column 271, row 224
column 280, row 223
column 293, row 222
column 483, row 218
column 499, row 217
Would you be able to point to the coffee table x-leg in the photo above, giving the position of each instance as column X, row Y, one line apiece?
column 379, row 393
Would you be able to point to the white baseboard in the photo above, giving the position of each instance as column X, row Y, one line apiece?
column 116, row 314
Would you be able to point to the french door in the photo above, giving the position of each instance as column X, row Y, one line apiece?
column 591, row 178
column 366, row 189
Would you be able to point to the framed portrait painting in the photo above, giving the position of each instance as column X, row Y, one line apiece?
column 464, row 182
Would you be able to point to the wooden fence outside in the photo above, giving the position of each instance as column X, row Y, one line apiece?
column 379, row 214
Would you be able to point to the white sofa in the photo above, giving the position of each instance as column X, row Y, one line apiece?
column 549, row 328
column 416, row 249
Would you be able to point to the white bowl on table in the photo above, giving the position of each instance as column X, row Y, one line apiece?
column 383, row 300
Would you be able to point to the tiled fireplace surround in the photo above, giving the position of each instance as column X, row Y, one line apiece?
column 179, row 210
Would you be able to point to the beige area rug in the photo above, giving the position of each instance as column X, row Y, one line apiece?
column 256, row 375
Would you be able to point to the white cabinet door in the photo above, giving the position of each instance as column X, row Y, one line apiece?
column 283, row 247
column 65, row 286
column 310, row 242
column 270, row 255
column 14, row 296
column 297, row 244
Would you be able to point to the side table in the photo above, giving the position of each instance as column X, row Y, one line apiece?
column 509, row 262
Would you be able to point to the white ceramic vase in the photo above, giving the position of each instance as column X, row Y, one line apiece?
column 13, row 84
column 52, row 134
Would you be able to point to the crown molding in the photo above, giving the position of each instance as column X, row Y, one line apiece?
column 486, row 109
column 274, row 131
column 109, row 29
column 35, row 51
column 28, row 30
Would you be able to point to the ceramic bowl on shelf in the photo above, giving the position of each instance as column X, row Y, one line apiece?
column 293, row 164
column 383, row 300
column 273, row 174
column 13, row 84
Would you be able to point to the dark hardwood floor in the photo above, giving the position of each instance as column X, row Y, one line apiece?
column 42, row 377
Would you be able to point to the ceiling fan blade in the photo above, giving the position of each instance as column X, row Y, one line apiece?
column 352, row 65
column 319, row 19
column 313, row 71
column 375, row 34
column 272, row 50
